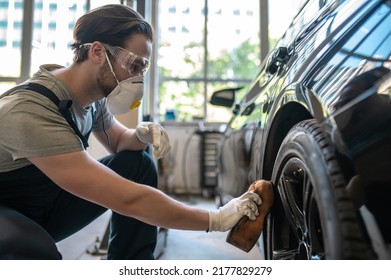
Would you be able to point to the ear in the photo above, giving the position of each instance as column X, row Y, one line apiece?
column 97, row 52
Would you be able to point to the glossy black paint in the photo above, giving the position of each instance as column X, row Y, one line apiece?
column 333, row 65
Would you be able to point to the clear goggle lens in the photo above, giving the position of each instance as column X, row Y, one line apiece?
column 134, row 64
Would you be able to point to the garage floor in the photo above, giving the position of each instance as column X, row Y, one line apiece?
column 180, row 245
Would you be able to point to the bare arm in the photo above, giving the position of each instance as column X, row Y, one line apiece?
column 81, row 175
column 121, row 138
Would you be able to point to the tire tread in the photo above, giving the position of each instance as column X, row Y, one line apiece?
column 355, row 246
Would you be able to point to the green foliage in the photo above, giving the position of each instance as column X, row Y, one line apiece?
column 187, row 98
column 241, row 63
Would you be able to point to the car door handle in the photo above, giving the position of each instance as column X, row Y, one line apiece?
column 279, row 57
column 248, row 110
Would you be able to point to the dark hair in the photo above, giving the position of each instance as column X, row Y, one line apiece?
column 110, row 24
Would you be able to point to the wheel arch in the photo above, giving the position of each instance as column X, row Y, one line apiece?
column 289, row 115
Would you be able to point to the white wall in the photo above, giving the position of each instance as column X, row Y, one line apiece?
column 180, row 170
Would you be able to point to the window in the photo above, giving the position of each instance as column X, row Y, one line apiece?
column 216, row 49
column 220, row 49
column 52, row 36
column 201, row 49
column 10, row 31
column 51, row 32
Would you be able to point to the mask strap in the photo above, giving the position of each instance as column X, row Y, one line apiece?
column 111, row 68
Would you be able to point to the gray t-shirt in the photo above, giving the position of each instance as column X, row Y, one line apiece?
column 32, row 126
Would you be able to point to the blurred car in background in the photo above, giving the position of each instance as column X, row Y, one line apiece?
column 316, row 121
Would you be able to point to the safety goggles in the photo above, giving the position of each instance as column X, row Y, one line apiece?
column 134, row 64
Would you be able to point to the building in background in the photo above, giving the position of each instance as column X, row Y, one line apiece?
column 203, row 45
column 52, row 25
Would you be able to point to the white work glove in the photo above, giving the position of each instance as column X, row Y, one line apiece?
column 155, row 134
column 227, row 216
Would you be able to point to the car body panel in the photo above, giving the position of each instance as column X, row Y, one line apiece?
column 312, row 73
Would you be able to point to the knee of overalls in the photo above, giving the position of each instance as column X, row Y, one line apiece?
column 137, row 166
column 23, row 239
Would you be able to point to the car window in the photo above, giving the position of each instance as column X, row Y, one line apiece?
column 366, row 49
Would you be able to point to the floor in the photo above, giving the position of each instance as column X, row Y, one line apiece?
column 180, row 245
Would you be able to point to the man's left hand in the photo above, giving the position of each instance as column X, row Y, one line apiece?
column 155, row 134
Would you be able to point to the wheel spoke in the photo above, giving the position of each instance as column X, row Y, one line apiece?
column 313, row 235
column 290, row 201
column 307, row 199
column 285, row 254
column 307, row 192
column 295, row 189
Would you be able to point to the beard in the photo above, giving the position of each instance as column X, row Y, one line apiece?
column 106, row 80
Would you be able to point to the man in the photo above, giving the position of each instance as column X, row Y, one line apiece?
column 50, row 187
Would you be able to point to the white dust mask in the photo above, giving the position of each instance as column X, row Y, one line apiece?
column 126, row 95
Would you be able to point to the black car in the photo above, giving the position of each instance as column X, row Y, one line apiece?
column 316, row 121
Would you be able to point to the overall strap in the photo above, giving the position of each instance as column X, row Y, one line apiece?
column 63, row 105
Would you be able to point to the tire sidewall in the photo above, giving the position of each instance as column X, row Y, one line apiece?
column 302, row 145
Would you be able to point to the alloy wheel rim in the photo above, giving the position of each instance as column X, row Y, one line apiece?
column 297, row 231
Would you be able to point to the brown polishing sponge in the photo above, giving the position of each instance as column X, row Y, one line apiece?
column 246, row 233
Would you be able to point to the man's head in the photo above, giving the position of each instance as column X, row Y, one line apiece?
column 112, row 44
column 109, row 24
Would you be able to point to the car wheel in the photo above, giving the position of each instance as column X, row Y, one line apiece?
column 312, row 216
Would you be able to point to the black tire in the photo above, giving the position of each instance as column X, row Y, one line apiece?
column 312, row 216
